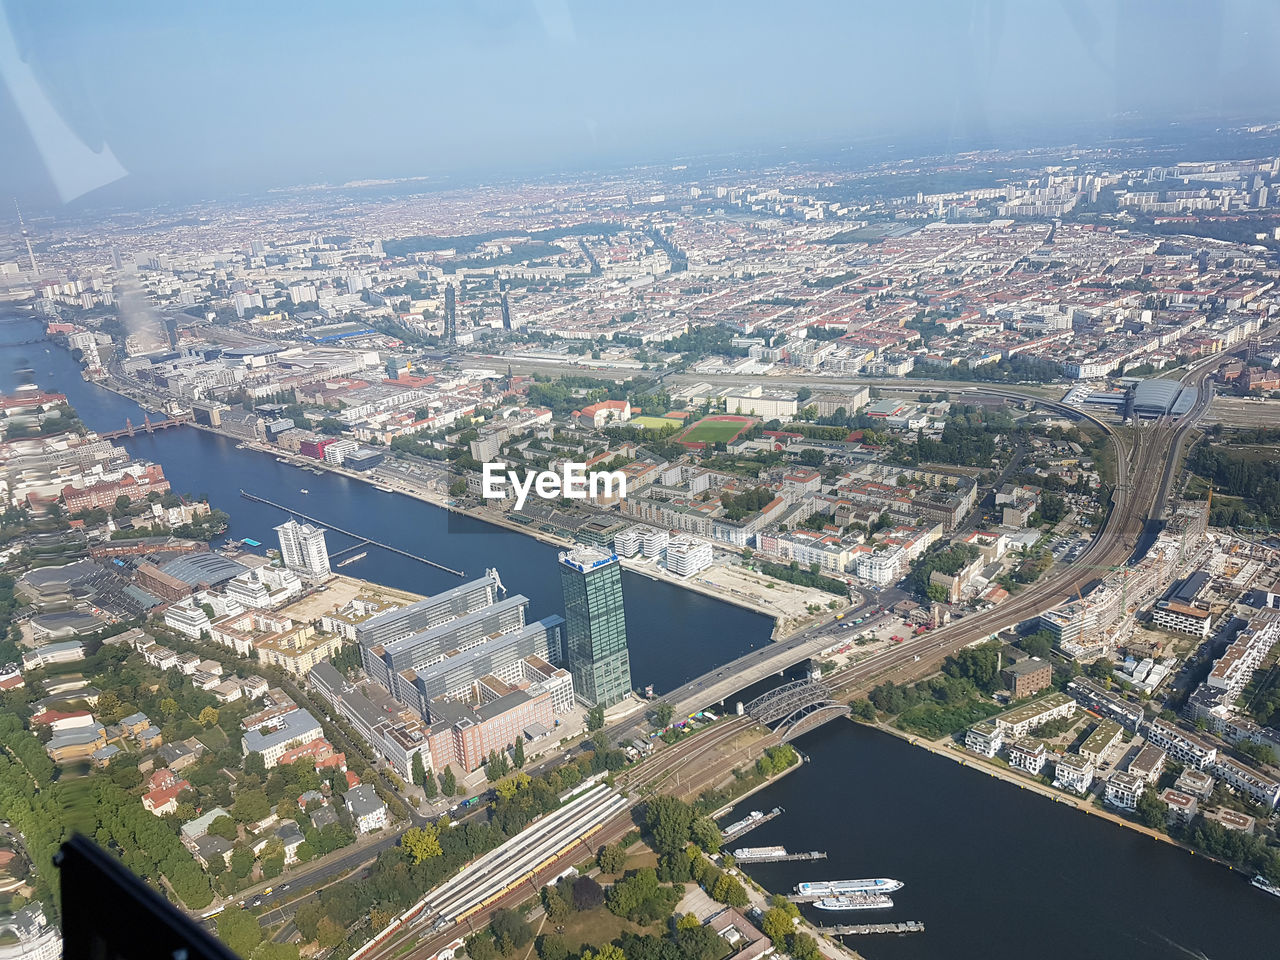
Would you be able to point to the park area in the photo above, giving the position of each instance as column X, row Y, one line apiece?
column 719, row 429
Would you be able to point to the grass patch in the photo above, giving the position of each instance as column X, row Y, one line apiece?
column 708, row 430
column 654, row 423
column 213, row 738
column 590, row 928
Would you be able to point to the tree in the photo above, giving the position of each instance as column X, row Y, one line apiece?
column 418, row 771
column 510, row 930
column 608, row 952
column 729, row 890
column 937, row 593
column 517, row 755
column 776, row 925
column 1152, row 811
column 1101, row 669
column 555, row 903
column 611, row 859
column 704, row 832
column 458, row 488
column 595, row 718
column 421, row 843
column 241, row 862
column 669, row 820
column 552, row 946
column 208, row 717
column 169, row 708
column 803, row 947
column 587, row 894
column 429, row 785
column 225, row 828
column 251, row 806
column 239, row 930
column 662, row 714
column 448, row 782
column 254, row 765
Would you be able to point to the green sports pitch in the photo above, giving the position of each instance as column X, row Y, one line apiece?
column 715, row 431
column 654, row 423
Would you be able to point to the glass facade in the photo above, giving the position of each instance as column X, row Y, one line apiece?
column 595, row 626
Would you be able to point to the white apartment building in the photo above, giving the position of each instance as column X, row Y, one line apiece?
column 687, row 556
column 303, row 549
column 1030, row 757
column 1073, row 772
column 629, row 542
column 187, row 618
column 1188, row 749
column 881, row 567
column 279, row 736
column 1249, row 782
column 1021, row 720
column 984, row 738
column 1124, row 789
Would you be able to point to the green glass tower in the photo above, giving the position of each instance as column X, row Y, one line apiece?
column 595, row 625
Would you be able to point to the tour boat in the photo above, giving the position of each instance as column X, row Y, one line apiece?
column 859, row 901
column 842, row 888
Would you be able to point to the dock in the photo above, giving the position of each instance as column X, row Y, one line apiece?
column 364, row 541
column 858, row 929
column 745, row 855
column 743, row 827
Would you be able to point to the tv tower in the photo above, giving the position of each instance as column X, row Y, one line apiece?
column 26, row 236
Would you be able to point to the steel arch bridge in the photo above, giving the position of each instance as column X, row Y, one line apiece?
column 797, row 707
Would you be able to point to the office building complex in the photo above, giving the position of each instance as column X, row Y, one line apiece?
column 468, row 663
column 596, row 627
column 303, row 549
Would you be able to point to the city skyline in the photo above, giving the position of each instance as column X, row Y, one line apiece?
column 156, row 106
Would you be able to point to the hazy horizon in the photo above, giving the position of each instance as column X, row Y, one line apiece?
column 153, row 102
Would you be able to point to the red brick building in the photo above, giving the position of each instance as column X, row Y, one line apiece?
column 102, row 496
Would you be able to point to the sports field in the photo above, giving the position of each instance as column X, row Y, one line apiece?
column 654, row 423
column 715, row 429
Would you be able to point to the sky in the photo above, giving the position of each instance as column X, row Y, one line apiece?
column 145, row 101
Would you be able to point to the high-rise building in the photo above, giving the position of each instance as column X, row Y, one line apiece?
column 303, row 549
column 506, row 313
column 450, row 314
column 596, row 626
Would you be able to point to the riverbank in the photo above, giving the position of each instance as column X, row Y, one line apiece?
column 973, row 761
column 443, row 502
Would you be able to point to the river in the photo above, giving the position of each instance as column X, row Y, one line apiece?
column 674, row 635
column 994, row 872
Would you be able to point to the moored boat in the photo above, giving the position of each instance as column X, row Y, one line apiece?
column 843, row 888
column 857, row 901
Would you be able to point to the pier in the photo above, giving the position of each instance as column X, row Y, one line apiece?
column 775, row 855
column 857, row 929
column 743, row 827
column 363, row 540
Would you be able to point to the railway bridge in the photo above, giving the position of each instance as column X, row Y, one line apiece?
column 797, row 707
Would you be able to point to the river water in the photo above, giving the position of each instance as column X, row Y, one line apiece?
column 673, row 634
column 993, row 871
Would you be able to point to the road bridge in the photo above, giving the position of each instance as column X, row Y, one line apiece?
column 773, row 659
column 148, row 426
